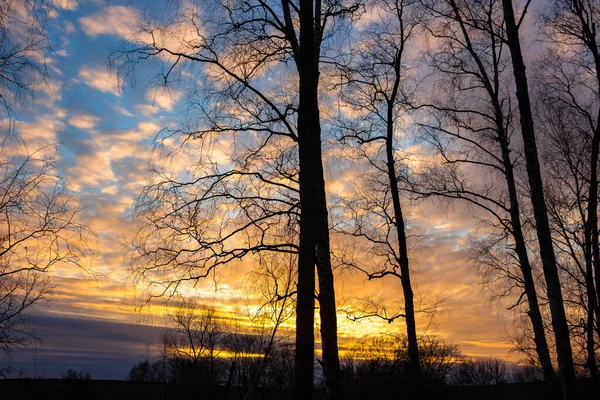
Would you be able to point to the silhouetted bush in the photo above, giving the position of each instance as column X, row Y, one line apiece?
column 73, row 374
column 481, row 372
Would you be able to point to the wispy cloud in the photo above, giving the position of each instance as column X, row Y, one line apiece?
column 84, row 121
column 114, row 20
column 100, row 78
column 66, row 4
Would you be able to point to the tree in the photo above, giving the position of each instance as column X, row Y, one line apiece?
column 73, row 374
column 38, row 216
column 240, row 45
column 39, row 229
column 197, row 339
column 481, row 372
column 472, row 132
column 376, row 88
column 24, row 46
column 566, row 154
column 567, row 86
column 540, row 212
column 275, row 282
column 381, row 366
column 144, row 371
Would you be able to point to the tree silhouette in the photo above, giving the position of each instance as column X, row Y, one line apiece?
column 472, row 132
column 39, row 229
column 536, row 188
column 376, row 86
column 242, row 51
column 567, row 83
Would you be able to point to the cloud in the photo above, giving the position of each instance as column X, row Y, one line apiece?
column 114, row 20
column 112, row 190
column 39, row 134
column 99, row 78
column 147, row 110
column 183, row 35
column 93, row 166
column 84, row 121
column 105, row 349
column 66, row 4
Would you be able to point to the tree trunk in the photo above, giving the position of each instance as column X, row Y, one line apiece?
column 559, row 320
column 592, row 255
column 535, row 316
column 593, row 189
column 305, row 298
column 330, row 361
column 314, row 225
column 592, row 252
column 409, row 306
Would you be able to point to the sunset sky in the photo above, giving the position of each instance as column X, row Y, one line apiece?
column 105, row 133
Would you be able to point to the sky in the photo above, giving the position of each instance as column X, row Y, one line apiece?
column 105, row 131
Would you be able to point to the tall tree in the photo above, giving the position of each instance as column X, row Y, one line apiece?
column 243, row 50
column 471, row 130
column 376, row 86
column 536, row 188
column 566, row 153
column 568, row 84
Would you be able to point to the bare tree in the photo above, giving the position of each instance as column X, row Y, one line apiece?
column 39, row 229
column 198, row 337
column 144, row 371
column 568, row 88
column 233, row 47
column 481, row 372
column 376, row 88
column 73, row 374
column 262, row 352
column 381, row 365
column 471, row 131
column 24, row 46
column 38, row 216
column 540, row 212
column 377, row 83
column 566, row 157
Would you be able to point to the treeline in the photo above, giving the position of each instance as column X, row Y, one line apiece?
column 242, row 367
column 202, row 351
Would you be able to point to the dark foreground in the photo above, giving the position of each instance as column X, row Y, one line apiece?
column 61, row 389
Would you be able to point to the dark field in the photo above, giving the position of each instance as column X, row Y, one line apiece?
column 60, row 389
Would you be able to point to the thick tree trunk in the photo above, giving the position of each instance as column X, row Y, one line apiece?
column 305, row 298
column 314, row 227
column 535, row 315
column 559, row 320
column 593, row 193
column 330, row 361
column 591, row 225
